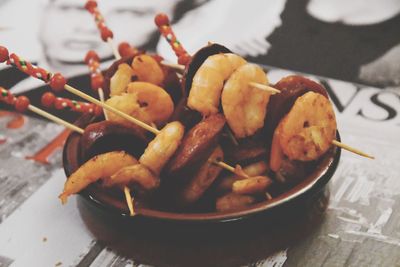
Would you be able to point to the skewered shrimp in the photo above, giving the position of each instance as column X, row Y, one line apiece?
column 146, row 102
column 147, row 69
column 163, row 146
column 251, row 185
column 245, row 107
column 233, row 201
column 208, row 82
column 255, row 169
column 276, row 155
column 120, row 79
column 128, row 104
column 138, row 174
column 155, row 103
column 307, row 131
column 100, row 166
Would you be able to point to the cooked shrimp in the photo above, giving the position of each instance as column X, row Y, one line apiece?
column 100, row 166
column 276, row 155
column 155, row 103
column 251, row 185
column 307, row 131
column 147, row 69
column 120, row 79
column 128, row 104
column 146, row 102
column 137, row 174
column 203, row 178
column 254, row 169
column 205, row 94
column 245, row 107
column 162, row 147
column 233, row 201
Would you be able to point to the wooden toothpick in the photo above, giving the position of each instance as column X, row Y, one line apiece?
column 264, row 87
column 352, row 149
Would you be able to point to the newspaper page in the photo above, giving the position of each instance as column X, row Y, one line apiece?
column 360, row 226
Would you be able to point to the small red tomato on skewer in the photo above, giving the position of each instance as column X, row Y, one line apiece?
column 22, row 103
column 3, row 54
column 48, row 99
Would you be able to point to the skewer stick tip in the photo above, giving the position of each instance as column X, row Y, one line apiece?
column 55, row 119
column 265, row 87
column 110, row 41
column 129, row 201
column 173, row 65
column 352, row 149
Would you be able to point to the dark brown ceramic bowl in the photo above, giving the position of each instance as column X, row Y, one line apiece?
column 298, row 197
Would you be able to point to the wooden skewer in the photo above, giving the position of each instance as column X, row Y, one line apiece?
column 265, row 87
column 129, row 200
column 260, row 86
column 127, row 191
column 229, row 168
column 55, row 119
column 105, row 33
column 111, row 109
column 173, row 65
column 110, row 41
column 77, row 129
column 92, row 8
column 92, row 59
column 7, row 97
column 224, row 165
column 163, row 24
column 61, row 83
column 102, row 99
column 351, row 149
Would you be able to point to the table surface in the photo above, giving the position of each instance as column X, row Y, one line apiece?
column 361, row 206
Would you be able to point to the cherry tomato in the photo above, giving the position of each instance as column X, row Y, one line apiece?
column 91, row 55
column 97, row 81
column 3, row 54
column 22, row 103
column 57, row 82
column 161, row 19
column 48, row 99
column 106, row 33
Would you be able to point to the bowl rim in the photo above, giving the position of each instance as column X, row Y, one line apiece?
column 314, row 181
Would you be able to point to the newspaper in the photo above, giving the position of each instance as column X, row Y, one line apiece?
column 360, row 226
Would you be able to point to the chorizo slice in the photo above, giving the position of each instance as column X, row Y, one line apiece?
column 202, row 180
column 106, row 136
column 196, row 147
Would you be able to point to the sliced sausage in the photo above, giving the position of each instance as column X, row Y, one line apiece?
column 196, row 147
column 202, row 180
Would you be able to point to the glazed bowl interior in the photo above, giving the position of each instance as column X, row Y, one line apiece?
column 315, row 181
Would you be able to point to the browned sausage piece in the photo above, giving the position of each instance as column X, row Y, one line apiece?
column 203, row 178
column 106, row 136
column 182, row 113
column 246, row 151
column 196, row 147
column 172, row 85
